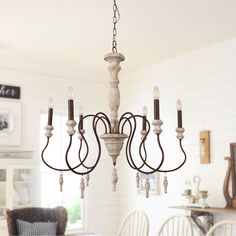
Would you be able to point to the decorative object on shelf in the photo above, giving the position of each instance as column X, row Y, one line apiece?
column 203, row 194
column 10, row 123
column 230, row 173
column 18, row 188
column 21, row 196
column 22, row 175
column 187, row 189
column 115, row 129
column 195, row 197
column 196, row 181
column 25, row 176
column 205, row 147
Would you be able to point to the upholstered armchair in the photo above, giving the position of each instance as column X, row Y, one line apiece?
column 36, row 214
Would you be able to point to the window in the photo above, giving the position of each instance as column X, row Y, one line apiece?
column 55, row 155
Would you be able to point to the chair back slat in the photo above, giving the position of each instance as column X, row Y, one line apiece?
column 177, row 225
column 135, row 224
column 226, row 228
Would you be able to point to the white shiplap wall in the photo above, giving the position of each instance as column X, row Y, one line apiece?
column 205, row 80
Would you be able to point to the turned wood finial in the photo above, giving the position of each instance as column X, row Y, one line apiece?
column 165, row 183
column 137, row 180
column 61, row 181
column 82, row 188
column 147, row 187
column 87, row 177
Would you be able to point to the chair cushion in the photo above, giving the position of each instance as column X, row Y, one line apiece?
column 37, row 228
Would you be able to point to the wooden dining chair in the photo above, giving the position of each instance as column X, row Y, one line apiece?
column 176, row 225
column 225, row 228
column 135, row 223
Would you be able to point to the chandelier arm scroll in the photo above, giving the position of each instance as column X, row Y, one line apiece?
column 81, row 161
column 124, row 119
column 51, row 167
column 89, row 169
column 105, row 120
column 153, row 170
column 66, row 157
column 86, row 154
column 96, row 118
column 128, row 153
column 185, row 158
column 142, row 144
column 130, row 136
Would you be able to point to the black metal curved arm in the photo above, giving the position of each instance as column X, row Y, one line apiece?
column 85, row 168
column 127, row 118
column 51, row 167
column 86, row 143
column 131, row 134
column 185, row 158
column 124, row 119
column 152, row 170
column 145, row 167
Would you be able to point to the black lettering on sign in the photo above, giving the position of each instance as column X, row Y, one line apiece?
column 7, row 91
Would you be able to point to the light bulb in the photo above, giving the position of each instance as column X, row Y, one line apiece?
column 50, row 103
column 179, row 105
column 145, row 111
column 156, row 93
column 81, row 110
column 70, row 93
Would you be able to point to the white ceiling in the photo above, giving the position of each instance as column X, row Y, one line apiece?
column 76, row 34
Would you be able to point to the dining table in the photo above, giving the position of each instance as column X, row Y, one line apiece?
column 203, row 217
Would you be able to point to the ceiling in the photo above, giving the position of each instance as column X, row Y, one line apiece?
column 76, row 34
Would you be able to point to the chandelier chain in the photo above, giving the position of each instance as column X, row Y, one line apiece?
column 116, row 17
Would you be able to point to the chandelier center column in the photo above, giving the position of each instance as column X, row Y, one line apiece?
column 114, row 93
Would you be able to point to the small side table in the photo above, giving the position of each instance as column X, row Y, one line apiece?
column 202, row 226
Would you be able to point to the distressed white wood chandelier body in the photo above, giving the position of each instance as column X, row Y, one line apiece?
column 114, row 135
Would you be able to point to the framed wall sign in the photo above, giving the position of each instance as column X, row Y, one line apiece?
column 10, row 123
column 6, row 122
column 8, row 91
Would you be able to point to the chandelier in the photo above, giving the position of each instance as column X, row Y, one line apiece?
column 114, row 131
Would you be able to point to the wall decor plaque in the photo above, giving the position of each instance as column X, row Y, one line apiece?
column 10, row 123
column 8, row 91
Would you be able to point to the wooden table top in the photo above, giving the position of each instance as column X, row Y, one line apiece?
column 209, row 209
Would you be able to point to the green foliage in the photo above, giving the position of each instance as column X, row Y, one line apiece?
column 74, row 212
